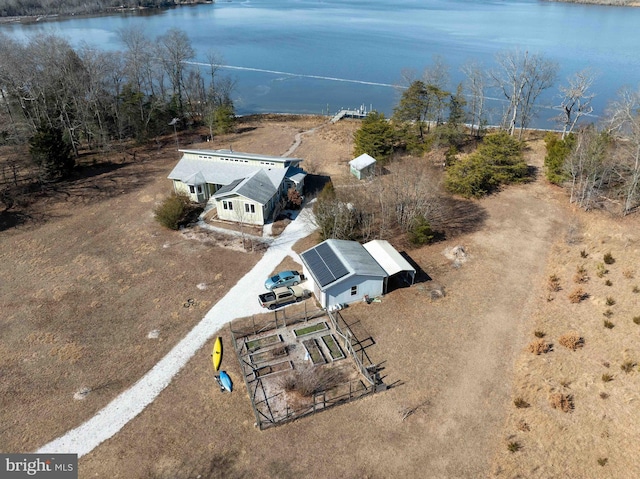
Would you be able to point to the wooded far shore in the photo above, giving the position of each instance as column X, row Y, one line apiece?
column 34, row 10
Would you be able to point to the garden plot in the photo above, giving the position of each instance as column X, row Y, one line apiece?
column 293, row 369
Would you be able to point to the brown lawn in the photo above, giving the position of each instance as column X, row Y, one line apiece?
column 82, row 288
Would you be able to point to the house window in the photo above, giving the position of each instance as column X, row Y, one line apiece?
column 354, row 290
column 199, row 189
column 249, row 208
column 227, row 205
column 191, row 189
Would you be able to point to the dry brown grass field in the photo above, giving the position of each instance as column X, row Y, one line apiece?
column 83, row 285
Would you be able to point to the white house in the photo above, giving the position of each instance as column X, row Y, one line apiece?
column 363, row 166
column 244, row 186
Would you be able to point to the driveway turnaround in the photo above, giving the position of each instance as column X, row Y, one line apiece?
column 235, row 304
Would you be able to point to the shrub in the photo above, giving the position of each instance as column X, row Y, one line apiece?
column 627, row 366
column 571, row 340
column 581, row 275
column 584, row 254
column 608, row 258
column 309, row 381
column 539, row 334
column 604, row 395
column 608, row 313
column 578, row 295
column 557, row 152
column 608, row 324
column 514, row 446
column 498, row 161
column 564, row 402
column 635, row 289
column 523, row 426
column 172, row 211
column 603, row 461
column 420, row 232
column 554, row 283
column 608, row 283
column 636, row 319
column 539, row 346
column 520, row 403
column 601, row 270
column 294, row 198
column 610, row 301
column 607, row 378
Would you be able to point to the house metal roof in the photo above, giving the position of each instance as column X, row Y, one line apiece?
column 220, row 173
column 257, row 187
column 247, row 156
column 333, row 261
column 362, row 161
column 297, row 175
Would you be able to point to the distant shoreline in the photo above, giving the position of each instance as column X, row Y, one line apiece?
column 604, row 3
column 108, row 11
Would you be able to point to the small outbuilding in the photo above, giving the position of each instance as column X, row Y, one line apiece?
column 393, row 263
column 363, row 166
column 342, row 272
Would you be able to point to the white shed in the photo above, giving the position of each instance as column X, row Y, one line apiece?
column 362, row 166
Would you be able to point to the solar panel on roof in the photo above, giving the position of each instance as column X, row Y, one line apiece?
column 324, row 264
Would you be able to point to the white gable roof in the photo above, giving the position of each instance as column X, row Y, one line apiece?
column 388, row 257
column 362, row 161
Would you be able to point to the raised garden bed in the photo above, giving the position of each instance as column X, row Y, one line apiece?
column 315, row 353
column 260, row 343
column 314, row 328
column 333, row 347
column 269, row 354
column 273, row 368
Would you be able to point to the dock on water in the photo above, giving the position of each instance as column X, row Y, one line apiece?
column 346, row 113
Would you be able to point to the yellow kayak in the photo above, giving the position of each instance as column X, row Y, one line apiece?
column 216, row 355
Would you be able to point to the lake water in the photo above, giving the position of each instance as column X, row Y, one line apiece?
column 304, row 56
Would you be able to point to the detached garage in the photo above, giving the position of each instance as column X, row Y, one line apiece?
column 342, row 272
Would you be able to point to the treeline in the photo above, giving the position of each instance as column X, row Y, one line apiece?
column 599, row 164
column 19, row 8
column 90, row 99
column 619, row 3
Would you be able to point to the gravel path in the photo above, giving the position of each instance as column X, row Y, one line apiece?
column 234, row 304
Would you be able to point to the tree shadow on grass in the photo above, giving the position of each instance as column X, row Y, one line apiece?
column 457, row 217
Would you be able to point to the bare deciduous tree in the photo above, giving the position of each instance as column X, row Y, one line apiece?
column 521, row 78
column 476, row 85
column 623, row 122
column 576, row 100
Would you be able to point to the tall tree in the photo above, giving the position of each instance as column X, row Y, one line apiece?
column 623, row 122
column 521, row 78
column 414, row 106
column 375, row 137
column 589, row 167
column 174, row 50
column 476, row 85
column 51, row 152
column 576, row 100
